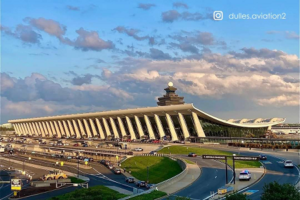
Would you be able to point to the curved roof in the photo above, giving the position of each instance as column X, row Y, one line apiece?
column 159, row 110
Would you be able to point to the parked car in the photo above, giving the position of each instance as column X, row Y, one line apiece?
column 288, row 163
column 176, row 141
column 129, row 179
column 153, row 152
column 102, row 162
column 140, row 183
column 110, row 166
column 76, row 145
column 138, row 149
column 262, row 157
column 192, row 155
column 148, row 185
column 107, row 162
column 85, row 145
column 245, row 175
column 117, row 170
column 155, row 141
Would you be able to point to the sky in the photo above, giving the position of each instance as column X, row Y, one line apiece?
column 65, row 57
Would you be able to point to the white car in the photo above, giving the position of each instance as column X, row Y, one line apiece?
column 288, row 163
column 138, row 149
column 245, row 175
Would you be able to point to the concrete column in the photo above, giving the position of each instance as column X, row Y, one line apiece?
column 102, row 136
column 23, row 128
column 114, row 128
column 108, row 133
column 42, row 130
column 34, row 128
column 82, row 131
column 130, row 128
column 139, row 126
column 52, row 128
column 71, row 129
column 87, row 128
column 31, row 128
column 149, row 127
column 57, row 129
column 67, row 132
column 47, row 133
column 38, row 128
column 121, row 125
column 78, row 135
column 49, row 129
column 95, row 134
column 28, row 128
column 183, row 126
column 159, row 126
column 171, row 127
column 16, row 128
column 197, row 125
column 62, row 131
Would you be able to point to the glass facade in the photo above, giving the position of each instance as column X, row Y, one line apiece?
column 190, row 125
column 214, row 129
column 125, row 126
column 177, row 127
column 118, row 127
column 134, row 127
column 165, row 126
column 144, row 126
column 154, row 127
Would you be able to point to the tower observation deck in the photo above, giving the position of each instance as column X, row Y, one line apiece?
column 170, row 98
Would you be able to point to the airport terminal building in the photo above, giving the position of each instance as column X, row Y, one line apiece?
column 172, row 119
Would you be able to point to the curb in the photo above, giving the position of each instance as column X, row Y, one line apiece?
column 38, row 193
column 181, row 188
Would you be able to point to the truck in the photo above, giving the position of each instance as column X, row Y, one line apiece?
column 54, row 175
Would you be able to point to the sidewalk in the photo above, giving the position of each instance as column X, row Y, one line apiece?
column 193, row 172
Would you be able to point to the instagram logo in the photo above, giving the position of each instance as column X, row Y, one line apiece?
column 218, row 15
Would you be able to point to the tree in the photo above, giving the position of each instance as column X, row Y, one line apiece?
column 236, row 196
column 275, row 191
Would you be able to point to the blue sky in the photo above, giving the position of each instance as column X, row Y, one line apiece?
column 102, row 55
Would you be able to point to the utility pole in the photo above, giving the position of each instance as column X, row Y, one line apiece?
column 78, row 168
column 147, row 174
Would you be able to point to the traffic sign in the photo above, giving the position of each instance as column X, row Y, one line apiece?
column 216, row 157
column 61, row 163
column 16, row 184
column 245, row 158
column 117, row 157
column 86, row 162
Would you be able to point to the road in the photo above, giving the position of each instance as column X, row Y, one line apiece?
column 213, row 176
column 99, row 175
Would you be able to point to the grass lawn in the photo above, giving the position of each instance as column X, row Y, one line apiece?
column 202, row 151
column 160, row 168
column 76, row 180
column 152, row 195
column 92, row 193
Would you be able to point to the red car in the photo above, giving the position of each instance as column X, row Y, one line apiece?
column 155, row 141
column 192, row 155
column 76, row 145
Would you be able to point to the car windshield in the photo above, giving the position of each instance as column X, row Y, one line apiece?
column 243, row 173
column 288, row 161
